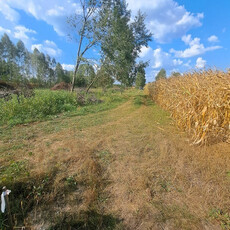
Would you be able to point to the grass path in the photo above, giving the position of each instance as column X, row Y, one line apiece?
column 128, row 168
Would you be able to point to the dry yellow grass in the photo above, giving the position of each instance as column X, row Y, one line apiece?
column 132, row 168
column 199, row 102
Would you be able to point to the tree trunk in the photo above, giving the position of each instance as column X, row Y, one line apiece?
column 78, row 57
column 75, row 74
column 90, row 85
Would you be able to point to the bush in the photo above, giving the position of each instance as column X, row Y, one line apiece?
column 43, row 104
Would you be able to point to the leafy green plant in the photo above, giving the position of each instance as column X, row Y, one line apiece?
column 71, row 182
column 222, row 217
column 14, row 170
column 43, row 104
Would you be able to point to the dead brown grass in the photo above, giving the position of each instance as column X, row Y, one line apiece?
column 159, row 181
column 199, row 102
column 135, row 166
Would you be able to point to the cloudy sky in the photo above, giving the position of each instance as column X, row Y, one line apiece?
column 187, row 34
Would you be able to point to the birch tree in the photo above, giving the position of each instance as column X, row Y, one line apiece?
column 85, row 24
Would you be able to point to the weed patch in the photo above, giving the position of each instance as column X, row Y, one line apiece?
column 222, row 217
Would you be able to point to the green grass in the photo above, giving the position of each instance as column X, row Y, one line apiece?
column 15, row 170
column 43, row 104
column 47, row 104
column 222, row 217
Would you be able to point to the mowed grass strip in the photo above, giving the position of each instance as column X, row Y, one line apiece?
column 123, row 168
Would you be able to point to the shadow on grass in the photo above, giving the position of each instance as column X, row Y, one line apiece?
column 90, row 221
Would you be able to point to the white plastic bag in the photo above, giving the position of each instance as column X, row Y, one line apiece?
column 3, row 202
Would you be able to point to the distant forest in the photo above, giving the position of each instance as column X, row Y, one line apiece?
column 18, row 65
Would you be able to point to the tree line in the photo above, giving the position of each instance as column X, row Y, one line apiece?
column 18, row 65
column 106, row 24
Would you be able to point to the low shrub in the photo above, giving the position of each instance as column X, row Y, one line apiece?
column 42, row 104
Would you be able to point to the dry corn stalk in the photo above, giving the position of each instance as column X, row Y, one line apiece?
column 199, row 102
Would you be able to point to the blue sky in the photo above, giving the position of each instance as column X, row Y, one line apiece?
column 187, row 34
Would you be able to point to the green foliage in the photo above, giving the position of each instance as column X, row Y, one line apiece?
column 85, row 75
column 61, row 74
column 71, row 182
column 161, row 75
column 18, row 65
column 104, row 78
column 43, row 104
column 122, row 39
column 140, row 80
column 138, row 100
column 13, row 170
column 175, row 74
column 222, row 217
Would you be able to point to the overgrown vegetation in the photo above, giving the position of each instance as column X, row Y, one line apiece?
column 43, row 104
column 46, row 103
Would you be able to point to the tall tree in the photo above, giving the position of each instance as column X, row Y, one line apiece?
column 86, row 26
column 17, row 64
column 50, row 70
column 61, row 75
column 122, row 39
column 53, row 66
column 40, row 67
column 28, row 65
column 140, row 80
column 118, row 41
column 21, row 56
column 161, row 75
column 8, row 54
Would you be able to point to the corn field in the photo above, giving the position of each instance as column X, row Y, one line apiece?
column 199, row 102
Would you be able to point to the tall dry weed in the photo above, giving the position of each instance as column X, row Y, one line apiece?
column 199, row 102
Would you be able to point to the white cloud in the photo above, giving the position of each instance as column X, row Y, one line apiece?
column 159, row 59
column 174, row 70
column 56, row 12
column 195, row 48
column 213, row 38
column 166, row 19
column 3, row 30
column 187, row 39
column 21, row 33
column 68, row 67
column 177, row 62
column 9, row 13
column 200, row 63
column 144, row 51
column 48, row 47
column 50, row 43
column 188, row 64
column 37, row 46
column 53, row 12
